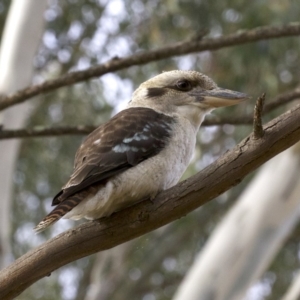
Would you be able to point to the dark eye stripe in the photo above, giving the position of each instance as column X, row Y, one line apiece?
column 156, row 92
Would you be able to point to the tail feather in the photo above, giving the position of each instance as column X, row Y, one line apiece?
column 59, row 211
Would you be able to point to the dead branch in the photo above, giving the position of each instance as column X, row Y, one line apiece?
column 258, row 130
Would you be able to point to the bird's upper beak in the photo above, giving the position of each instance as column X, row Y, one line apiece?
column 219, row 97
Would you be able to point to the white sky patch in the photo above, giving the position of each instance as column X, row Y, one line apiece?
column 116, row 8
column 50, row 40
column 98, row 41
column 119, row 47
column 116, row 91
column 259, row 291
column 61, row 226
column 186, row 62
column 64, row 55
column 51, row 14
column 25, row 235
column 109, row 24
column 207, row 134
column 68, row 279
column 75, row 30
column 83, row 64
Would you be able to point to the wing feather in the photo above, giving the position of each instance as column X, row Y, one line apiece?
column 133, row 135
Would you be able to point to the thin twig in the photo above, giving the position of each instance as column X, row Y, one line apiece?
column 258, row 130
column 177, row 49
column 247, row 119
column 282, row 99
column 45, row 131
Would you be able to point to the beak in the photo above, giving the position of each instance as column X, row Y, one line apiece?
column 219, row 97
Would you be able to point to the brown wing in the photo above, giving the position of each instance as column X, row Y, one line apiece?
column 130, row 137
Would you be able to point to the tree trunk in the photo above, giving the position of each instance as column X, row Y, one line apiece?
column 21, row 37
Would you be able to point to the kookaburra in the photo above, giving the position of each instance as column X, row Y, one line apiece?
column 143, row 149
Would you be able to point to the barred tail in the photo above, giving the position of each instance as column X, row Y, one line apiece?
column 59, row 211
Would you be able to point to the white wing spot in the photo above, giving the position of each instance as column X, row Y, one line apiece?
column 121, row 148
column 137, row 137
column 146, row 128
column 127, row 140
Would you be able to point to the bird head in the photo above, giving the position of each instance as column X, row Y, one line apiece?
column 186, row 93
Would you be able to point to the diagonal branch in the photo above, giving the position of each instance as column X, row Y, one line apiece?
column 146, row 216
column 182, row 48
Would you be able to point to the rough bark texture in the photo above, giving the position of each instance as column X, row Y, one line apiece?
column 146, row 216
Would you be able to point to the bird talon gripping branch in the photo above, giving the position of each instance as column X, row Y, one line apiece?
column 143, row 149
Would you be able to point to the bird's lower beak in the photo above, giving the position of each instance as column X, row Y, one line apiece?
column 221, row 97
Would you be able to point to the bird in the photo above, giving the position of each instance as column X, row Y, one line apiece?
column 143, row 149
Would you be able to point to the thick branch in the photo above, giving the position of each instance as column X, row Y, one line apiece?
column 146, row 216
column 186, row 47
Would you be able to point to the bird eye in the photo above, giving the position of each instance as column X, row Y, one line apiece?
column 184, row 85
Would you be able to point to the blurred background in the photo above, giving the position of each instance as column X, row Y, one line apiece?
column 78, row 34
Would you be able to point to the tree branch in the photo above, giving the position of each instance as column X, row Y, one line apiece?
column 282, row 99
column 41, row 131
column 146, row 216
column 182, row 48
column 247, row 119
